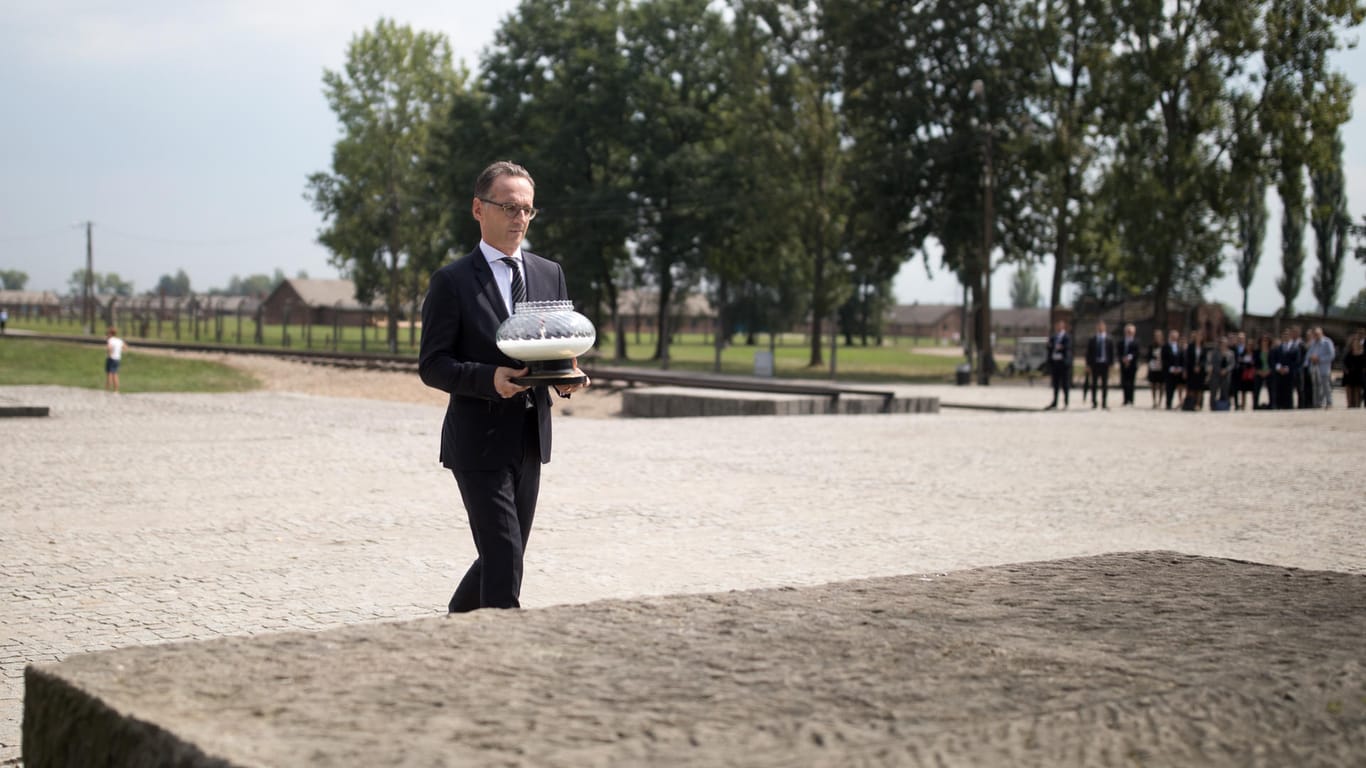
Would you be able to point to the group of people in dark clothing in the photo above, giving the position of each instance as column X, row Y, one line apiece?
column 1224, row 373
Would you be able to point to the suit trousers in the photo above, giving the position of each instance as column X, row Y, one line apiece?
column 1061, row 373
column 1127, row 376
column 500, row 504
column 1100, row 381
column 1174, row 380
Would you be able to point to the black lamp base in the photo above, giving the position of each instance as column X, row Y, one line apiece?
column 551, row 373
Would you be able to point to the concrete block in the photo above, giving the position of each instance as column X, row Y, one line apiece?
column 1154, row 658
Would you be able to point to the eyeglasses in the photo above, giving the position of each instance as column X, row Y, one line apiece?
column 513, row 210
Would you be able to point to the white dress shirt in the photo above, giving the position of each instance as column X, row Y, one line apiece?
column 502, row 273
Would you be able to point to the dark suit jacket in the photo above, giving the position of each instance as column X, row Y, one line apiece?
column 460, row 317
column 1127, row 347
column 1173, row 360
column 1093, row 351
column 1292, row 358
column 1197, row 360
column 1061, row 348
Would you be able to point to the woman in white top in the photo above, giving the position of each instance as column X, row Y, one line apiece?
column 115, row 346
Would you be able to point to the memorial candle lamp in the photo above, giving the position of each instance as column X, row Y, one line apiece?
column 546, row 336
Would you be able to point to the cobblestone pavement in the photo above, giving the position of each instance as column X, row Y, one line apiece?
column 136, row 519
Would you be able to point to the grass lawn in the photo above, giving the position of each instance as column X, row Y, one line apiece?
column 889, row 363
column 317, row 338
column 29, row 362
column 896, row 361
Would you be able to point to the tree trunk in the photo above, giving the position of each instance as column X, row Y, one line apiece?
column 662, row 316
column 1061, row 252
column 391, row 300
column 818, row 310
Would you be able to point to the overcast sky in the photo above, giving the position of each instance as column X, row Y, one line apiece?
column 185, row 132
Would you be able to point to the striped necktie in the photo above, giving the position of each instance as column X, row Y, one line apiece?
column 518, row 287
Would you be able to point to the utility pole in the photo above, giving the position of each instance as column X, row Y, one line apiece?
column 88, row 289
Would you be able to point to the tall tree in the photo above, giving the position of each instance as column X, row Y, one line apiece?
column 396, row 85
column 1301, row 98
column 950, row 158
column 177, row 285
column 557, row 80
column 1290, row 187
column 814, row 160
column 13, row 279
column 1072, row 42
column 1167, row 112
column 1330, row 221
column 676, row 64
column 1024, row 288
column 106, row 283
column 1356, row 307
column 252, row 285
column 1248, row 191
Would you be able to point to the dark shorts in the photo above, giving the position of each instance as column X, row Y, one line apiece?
column 111, row 365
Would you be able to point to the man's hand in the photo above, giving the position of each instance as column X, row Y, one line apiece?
column 503, row 381
column 569, row 389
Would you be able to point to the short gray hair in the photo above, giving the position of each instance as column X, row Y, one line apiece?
column 484, row 183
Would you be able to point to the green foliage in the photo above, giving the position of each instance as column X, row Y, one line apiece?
column 13, row 279
column 48, row 363
column 1303, row 105
column 1357, row 306
column 1166, row 107
column 103, row 283
column 396, row 85
column 1024, row 288
column 251, row 285
column 898, row 362
column 1330, row 220
column 1247, row 190
column 176, row 286
column 557, row 81
column 273, row 336
column 1069, row 49
column 676, row 54
column 786, row 157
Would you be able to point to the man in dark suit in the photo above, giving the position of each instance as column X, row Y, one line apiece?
column 1060, row 364
column 1127, row 354
column 1173, row 365
column 1286, row 364
column 496, row 433
column 1100, row 355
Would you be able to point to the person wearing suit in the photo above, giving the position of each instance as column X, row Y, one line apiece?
column 496, row 433
column 1304, row 388
column 1244, row 374
column 1060, row 364
column 1285, row 362
column 1100, row 355
column 1127, row 352
column 1173, row 365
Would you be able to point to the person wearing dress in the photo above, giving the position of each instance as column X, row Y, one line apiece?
column 1261, row 364
column 1354, row 369
column 1155, row 367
